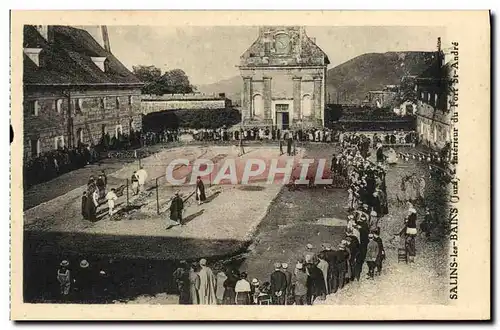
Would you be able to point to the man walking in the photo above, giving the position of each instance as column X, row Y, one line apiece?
column 200, row 191
column 135, row 183
column 142, row 175
column 176, row 208
column 111, row 198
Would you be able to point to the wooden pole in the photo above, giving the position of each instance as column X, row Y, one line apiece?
column 157, row 198
column 127, row 193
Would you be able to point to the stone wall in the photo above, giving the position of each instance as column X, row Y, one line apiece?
column 157, row 105
column 433, row 125
column 78, row 115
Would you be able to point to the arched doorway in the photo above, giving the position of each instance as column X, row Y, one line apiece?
column 79, row 136
column 257, row 105
column 306, row 105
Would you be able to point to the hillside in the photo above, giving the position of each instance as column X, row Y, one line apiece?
column 353, row 78
column 373, row 71
column 232, row 87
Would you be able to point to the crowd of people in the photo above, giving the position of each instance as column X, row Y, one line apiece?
column 50, row 165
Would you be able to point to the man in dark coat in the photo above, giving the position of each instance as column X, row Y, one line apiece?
column 381, row 251
column 278, row 285
column 176, row 208
column 330, row 257
column 85, row 214
column 200, row 191
column 341, row 256
column 289, row 142
column 181, row 278
column 380, row 154
column 288, row 275
column 315, row 284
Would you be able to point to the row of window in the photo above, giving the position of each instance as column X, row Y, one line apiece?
column 34, row 106
column 431, row 98
column 59, row 141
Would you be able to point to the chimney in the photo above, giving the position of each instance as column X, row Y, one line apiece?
column 33, row 54
column 100, row 61
column 105, row 38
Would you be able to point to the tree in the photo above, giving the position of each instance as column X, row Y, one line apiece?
column 175, row 81
column 171, row 82
column 147, row 73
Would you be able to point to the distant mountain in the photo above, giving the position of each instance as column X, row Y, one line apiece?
column 353, row 78
column 356, row 77
column 232, row 87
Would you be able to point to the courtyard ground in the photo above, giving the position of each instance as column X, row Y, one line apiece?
column 293, row 219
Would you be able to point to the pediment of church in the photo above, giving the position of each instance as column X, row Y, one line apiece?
column 283, row 46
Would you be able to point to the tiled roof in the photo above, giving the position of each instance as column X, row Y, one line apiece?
column 66, row 60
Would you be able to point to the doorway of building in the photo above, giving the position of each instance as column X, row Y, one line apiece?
column 282, row 116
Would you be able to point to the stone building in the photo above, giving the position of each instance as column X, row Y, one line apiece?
column 75, row 90
column 381, row 99
column 284, row 74
column 192, row 101
column 433, row 113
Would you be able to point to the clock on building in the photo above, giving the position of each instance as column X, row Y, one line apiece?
column 282, row 43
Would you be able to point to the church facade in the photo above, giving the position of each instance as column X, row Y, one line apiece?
column 284, row 76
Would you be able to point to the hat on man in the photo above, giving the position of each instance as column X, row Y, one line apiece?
column 370, row 235
column 65, row 263
column 84, row 263
column 277, row 265
column 203, row 262
column 284, row 265
column 255, row 282
column 309, row 246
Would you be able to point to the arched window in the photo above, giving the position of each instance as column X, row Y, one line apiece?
column 258, row 105
column 59, row 142
column 306, row 105
column 118, row 131
column 59, row 105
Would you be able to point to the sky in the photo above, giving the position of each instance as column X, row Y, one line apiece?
column 210, row 54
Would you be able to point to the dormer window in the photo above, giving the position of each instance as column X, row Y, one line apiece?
column 33, row 54
column 99, row 61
